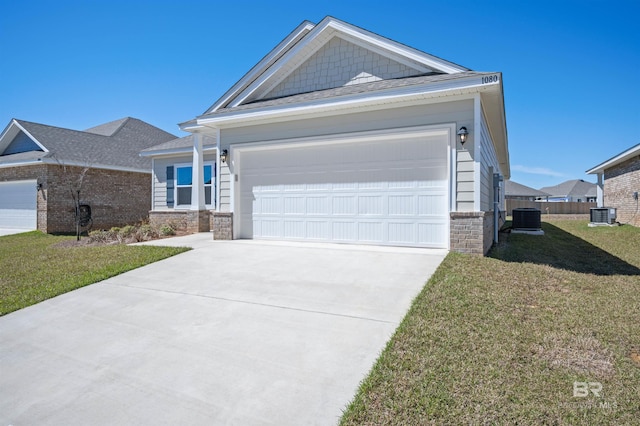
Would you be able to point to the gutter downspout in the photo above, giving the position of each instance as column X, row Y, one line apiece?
column 496, row 205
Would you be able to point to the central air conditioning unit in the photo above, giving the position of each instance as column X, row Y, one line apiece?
column 603, row 215
column 526, row 219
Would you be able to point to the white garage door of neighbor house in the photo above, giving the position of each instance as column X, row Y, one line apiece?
column 18, row 205
column 384, row 192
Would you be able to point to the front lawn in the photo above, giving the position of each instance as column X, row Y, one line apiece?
column 518, row 337
column 35, row 266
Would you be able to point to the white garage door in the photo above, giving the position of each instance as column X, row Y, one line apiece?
column 387, row 192
column 18, row 205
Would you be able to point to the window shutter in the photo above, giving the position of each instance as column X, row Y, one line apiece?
column 170, row 186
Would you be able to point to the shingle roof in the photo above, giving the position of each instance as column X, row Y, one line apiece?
column 116, row 144
column 179, row 144
column 574, row 188
column 108, row 129
column 351, row 90
column 516, row 189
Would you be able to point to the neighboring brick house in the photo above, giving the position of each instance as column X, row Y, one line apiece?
column 42, row 167
column 619, row 185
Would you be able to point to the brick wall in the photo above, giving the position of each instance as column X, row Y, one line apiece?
column 116, row 198
column 190, row 221
column 177, row 219
column 620, row 182
column 222, row 226
column 471, row 232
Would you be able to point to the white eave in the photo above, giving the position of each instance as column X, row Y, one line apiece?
column 174, row 151
column 265, row 63
column 366, row 101
column 620, row 158
column 11, row 131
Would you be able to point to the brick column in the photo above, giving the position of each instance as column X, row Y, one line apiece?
column 197, row 221
column 222, row 226
column 471, row 232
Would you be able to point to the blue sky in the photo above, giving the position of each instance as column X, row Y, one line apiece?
column 570, row 68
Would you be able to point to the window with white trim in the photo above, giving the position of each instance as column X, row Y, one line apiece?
column 184, row 185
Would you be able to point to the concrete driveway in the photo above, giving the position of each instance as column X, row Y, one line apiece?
column 232, row 332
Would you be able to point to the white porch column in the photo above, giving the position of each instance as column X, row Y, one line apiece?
column 197, row 182
column 600, row 191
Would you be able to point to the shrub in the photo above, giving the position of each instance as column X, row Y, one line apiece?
column 127, row 231
column 146, row 232
column 166, row 230
column 99, row 236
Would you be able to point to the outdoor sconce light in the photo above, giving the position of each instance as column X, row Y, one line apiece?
column 463, row 134
column 39, row 186
column 223, row 155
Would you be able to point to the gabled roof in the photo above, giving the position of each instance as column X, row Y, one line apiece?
column 634, row 151
column 309, row 39
column 114, row 145
column 179, row 146
column 573, row 188
column 515, row 189
column 303, row 78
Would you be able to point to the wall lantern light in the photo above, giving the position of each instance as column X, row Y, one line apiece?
column 224, row 155
column 463, row 134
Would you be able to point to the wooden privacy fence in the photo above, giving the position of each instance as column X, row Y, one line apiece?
column 546, row 207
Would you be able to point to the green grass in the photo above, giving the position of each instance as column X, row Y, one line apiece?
column 502, row 339
column 33, row 268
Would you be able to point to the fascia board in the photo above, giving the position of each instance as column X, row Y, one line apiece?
column 94, row 166
column 190, row 126
column 44, row 148
column 395, row 47
column 175, row 151
column 263, row 65
column 20, row 163
column 361, row 37
column 623, row 156
column 471, row 84
column 11, row 131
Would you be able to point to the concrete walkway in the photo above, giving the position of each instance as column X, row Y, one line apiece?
column 232, row 332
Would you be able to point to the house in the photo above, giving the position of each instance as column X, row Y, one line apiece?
column 619, row 184
column 341, row 135
column 516, row 191
column 43, row 167
column 575, row 190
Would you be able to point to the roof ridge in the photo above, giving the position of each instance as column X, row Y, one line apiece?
column 57, row 127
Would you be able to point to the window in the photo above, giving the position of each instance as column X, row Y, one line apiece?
column 184, row 184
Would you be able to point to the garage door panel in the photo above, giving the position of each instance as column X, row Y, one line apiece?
column 344, row 231
column 294, row 229
column 18, row 205
column 383, row 192
column 371, row 232
column 344, row 205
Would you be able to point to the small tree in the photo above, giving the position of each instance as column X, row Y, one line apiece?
column 74, row 182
